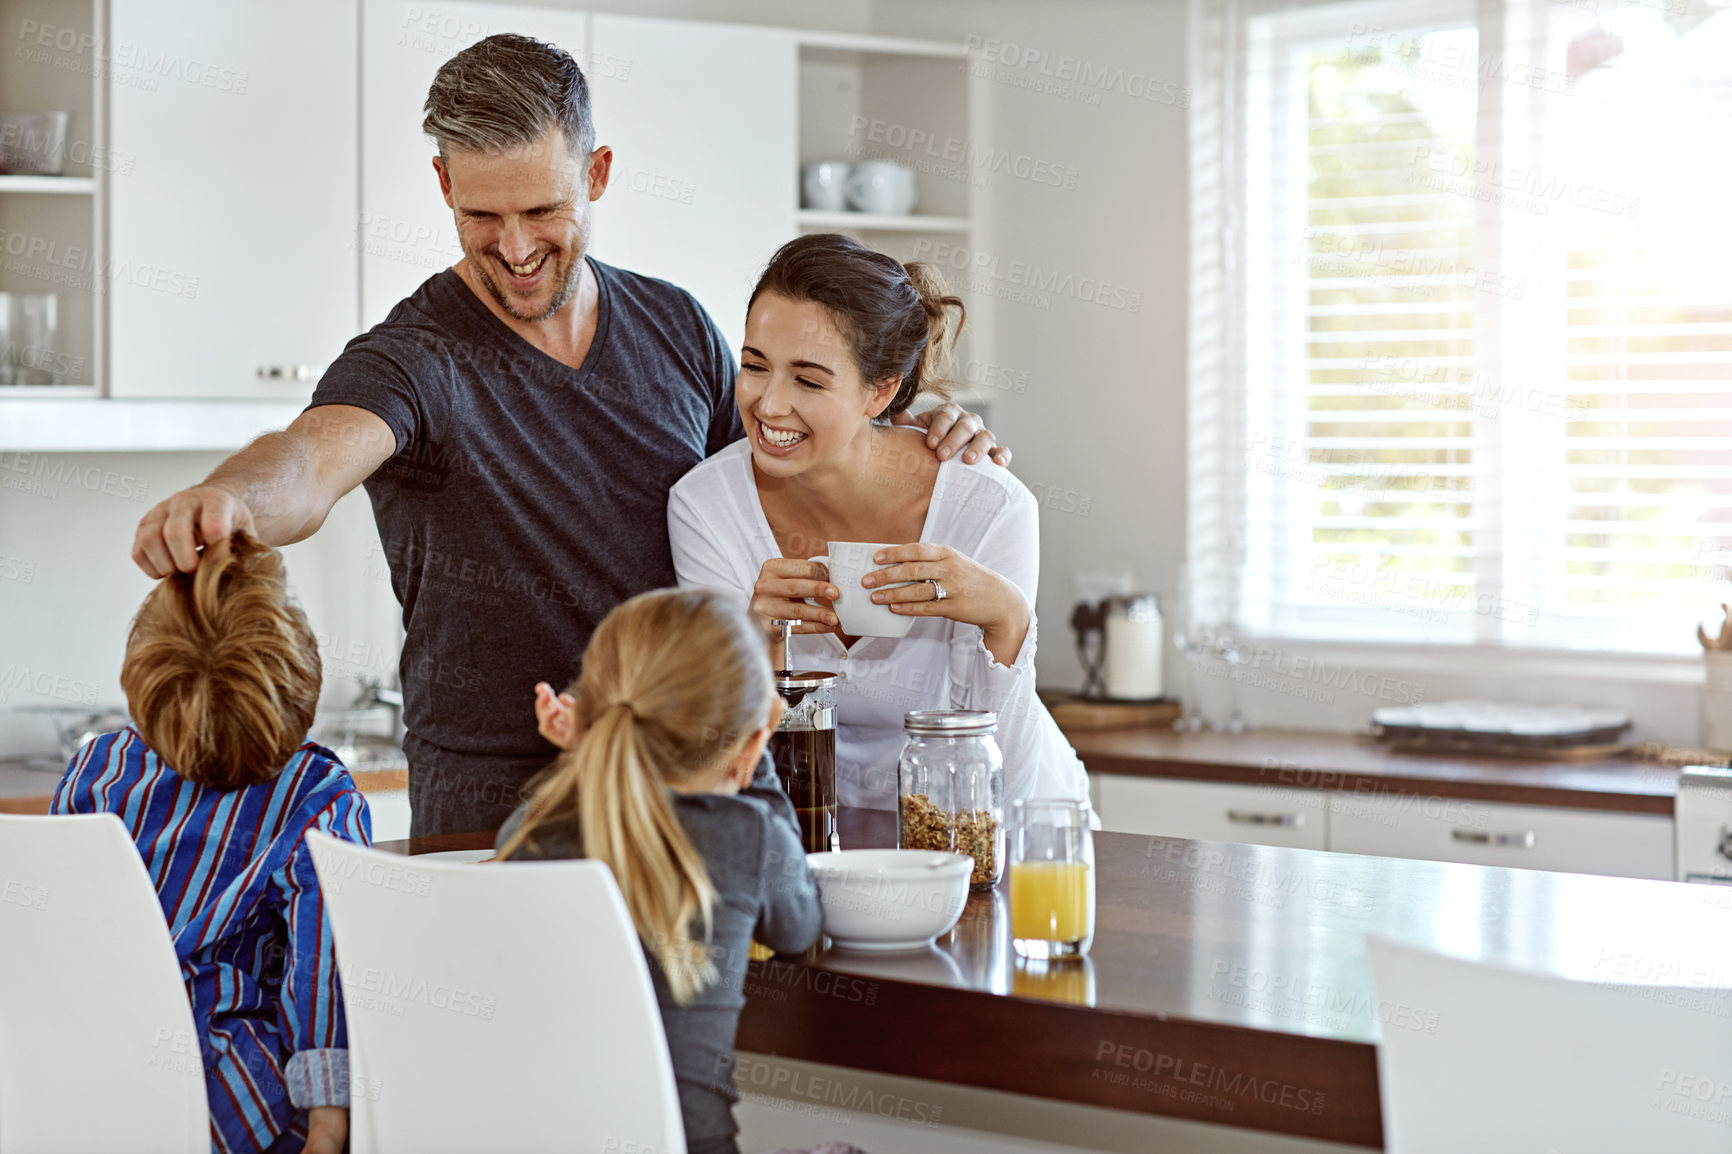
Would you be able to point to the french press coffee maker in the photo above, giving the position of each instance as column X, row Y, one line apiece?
column 804, row 747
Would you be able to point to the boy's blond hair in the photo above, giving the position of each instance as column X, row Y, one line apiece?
column 222, row 671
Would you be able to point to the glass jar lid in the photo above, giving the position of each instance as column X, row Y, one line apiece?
column 806, row 679
column 950, row 722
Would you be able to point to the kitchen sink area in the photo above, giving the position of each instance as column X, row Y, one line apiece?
column 365, row 735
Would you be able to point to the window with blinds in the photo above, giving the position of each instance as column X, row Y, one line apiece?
column 1477, row 334
column 1646, row 470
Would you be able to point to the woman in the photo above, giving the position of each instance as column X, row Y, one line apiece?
column 839, row 338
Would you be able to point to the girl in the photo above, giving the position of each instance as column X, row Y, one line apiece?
column 663, row 778
column 839, row 338
column 218, row 786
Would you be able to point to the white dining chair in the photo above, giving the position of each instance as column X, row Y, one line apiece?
column 1483, row 1058
column 495, row 1007
column 97, row 1047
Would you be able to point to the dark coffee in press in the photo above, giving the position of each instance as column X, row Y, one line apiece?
column 806, row 762
column 803, row 749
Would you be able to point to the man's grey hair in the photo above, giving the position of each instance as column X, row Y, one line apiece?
column 506, row 91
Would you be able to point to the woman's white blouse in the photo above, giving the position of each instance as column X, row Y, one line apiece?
column 721, row 540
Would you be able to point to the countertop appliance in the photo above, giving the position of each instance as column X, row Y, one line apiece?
column 1120, row 642
column 803, row 748
column 1702, row 824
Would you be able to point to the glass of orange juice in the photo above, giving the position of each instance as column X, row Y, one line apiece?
column 1052, row 878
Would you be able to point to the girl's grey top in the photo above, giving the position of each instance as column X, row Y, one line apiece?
column 751, row 847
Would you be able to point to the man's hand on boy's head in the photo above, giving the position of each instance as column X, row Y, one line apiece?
column 950, row 427
column 169, row 536
column 556, row 716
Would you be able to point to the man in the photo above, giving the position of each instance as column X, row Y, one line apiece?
column 517, row 422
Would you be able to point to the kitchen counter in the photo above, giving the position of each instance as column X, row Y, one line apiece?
column 1297, row 759
column 1228, row 984
column 21, row 783
column 25, row 789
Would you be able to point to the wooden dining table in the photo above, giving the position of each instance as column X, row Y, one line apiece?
column 1226, row 984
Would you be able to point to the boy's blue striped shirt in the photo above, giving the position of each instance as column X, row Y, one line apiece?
column 237, row 886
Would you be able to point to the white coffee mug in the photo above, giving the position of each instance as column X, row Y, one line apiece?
column 847, row 562
column 824, row 185
column 882, row 186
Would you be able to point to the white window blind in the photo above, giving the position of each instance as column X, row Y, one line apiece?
column 1462, row 320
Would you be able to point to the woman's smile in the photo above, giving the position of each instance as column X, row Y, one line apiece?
column 799, row 393
column 779, row 441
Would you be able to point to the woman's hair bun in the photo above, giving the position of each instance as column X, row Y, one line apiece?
column 931, row 373
column 895, row 317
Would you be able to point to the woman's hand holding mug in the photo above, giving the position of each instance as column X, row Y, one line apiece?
column 973, row 594
column 784, row 584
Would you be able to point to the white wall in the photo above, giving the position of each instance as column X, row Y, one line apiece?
column 1101, row 425
column 1099, row 432
column 830, row 15
column 69, row 589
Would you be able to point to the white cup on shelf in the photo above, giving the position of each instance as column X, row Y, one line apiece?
column 883, row 187
column 824, row 185
column 35, row 339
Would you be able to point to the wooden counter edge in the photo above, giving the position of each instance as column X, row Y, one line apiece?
column 1362, row 781
column 1320, row 1088
column 373, row 781
column 1048, row 1049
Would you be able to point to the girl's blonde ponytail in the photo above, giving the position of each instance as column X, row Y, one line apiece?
column 651, row 714
column 627, row 823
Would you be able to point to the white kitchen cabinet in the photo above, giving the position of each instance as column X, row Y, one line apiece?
column 50, row 226
column 230, row 238
column 1212, row 811
column 1486, row 833
column 390, row 814
column 249, row 186
column 405, row 231
column 704, row 123
column 1390, row 825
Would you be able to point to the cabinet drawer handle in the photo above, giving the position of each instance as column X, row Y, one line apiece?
column 1522, row 840
column 1286, row 820
column 286, row 372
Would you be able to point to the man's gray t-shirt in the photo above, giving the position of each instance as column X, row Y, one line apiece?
column 526, row 498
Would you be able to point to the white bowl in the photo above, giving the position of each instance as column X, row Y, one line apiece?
column 890, row 899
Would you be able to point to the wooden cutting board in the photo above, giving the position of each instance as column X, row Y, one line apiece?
column 1482, row 747
column 1084, row 714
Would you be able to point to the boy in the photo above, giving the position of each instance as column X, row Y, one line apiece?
column 218, row 786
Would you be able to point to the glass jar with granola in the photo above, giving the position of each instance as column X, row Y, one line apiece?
column 951, row 788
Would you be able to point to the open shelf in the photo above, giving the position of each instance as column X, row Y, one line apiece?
column 912, row 103
column 878, row 222
column 66, row 185
column 60, row 218
column 845, row 44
